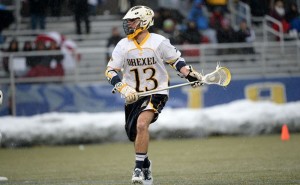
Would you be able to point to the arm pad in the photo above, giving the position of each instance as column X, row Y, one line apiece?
column 112, row 76
column 178, row 64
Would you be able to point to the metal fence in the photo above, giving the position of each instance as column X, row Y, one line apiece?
column 268, row 59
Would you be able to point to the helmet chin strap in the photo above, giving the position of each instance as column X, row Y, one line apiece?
column 135, row 33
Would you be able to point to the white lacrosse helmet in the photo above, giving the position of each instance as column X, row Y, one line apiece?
column 144, row 14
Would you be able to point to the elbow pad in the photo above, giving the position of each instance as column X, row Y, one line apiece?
column 112, row 76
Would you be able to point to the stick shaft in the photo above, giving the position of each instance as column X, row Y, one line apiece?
column 167, row 88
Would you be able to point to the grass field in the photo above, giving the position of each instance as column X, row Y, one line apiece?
column 214, row 160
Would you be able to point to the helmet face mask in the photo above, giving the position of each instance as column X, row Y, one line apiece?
column 143, row 14
column 130, row 26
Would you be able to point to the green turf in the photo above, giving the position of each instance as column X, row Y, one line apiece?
column 214, row 160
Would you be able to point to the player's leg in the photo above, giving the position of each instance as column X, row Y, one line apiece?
column 141, row 144
column 142, row 136
column 147, row 171
column 150, row 107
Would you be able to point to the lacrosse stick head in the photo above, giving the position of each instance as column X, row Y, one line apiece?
column 221, row 76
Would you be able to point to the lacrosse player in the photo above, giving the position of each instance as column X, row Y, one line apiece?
column 140, row 58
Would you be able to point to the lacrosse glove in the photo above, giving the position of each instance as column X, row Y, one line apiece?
column 194, row 76
column 127, row 92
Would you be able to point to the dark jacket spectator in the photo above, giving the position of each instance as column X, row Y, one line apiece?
column 259, row 8
column 13, row 47
column 226, row 34
column 55, row 61
column 245, row 35
column 28, row 47
column 80, row 8
column 45, row 65
column 55, row 7
column 293, row 17
column 191, row 35
column 38, row 13
column 292, row 12
column 38, row 60
column 112, row 41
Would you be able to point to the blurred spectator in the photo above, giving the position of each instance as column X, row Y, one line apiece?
column 28, row 46
column 132, row 3
column 55, row 61
column 180, row 6
column 13, row 47
column 80, row 8
column 292, row 12
column 190, row 35
column 124, row 5
column 112, row 41
column 278, row 12
column 71, row 56
column 170, row 4
column 293, row 17
column 7, row 18
column 216, row 18
column 212, row 4
column 169, row 30
column 259, row 8
column 168, row 27
column 197, row 14
column 55, row 7
column 37, row 61
column 45, row 65
column 225, row 34
column 93, row 4
column 215, row 23
column 158, row 19
column 163, row 14
column 246, row 35
column 2, row 38
column 38, row 12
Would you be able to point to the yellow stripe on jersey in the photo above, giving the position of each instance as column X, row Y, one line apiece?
column 172, row 61
column 137, row 45
column 143, row 41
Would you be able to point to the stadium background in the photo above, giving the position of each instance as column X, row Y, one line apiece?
column 189, row 143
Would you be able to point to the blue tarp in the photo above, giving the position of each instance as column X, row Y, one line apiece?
column 97, row 97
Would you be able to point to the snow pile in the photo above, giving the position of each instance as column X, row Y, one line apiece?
column 236, row 118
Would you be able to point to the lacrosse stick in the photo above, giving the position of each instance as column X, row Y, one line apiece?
column 221, row 76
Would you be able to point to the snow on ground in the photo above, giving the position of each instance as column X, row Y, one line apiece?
column 236, row 118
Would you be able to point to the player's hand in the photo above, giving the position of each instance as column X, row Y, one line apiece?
column 194, row 76
column 128, row 92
